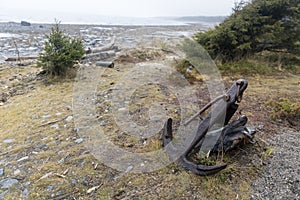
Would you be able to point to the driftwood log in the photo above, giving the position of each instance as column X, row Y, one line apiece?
column 107, row 47
column 105, row 64
column 21, row 58
column 100, row 55
column 97, row 53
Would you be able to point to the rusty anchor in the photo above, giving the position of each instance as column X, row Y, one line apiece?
column 231, row 134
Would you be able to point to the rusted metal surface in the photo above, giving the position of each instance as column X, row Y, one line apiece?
column 230, row 135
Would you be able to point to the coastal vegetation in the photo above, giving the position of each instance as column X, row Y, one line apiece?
column 268, row 29
column 46, row 155
column 60, row 52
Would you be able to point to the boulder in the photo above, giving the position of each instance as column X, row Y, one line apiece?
column 24, row 23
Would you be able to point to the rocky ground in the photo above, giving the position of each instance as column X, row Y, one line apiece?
column 29, row 40
column 281, row 179
column 44, row 156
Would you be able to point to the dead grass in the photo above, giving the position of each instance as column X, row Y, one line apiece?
column 56, row 160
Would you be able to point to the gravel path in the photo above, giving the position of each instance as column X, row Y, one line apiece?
column 281, row 179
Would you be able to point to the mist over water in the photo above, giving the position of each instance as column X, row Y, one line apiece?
column 79, row 18
column 84, row 18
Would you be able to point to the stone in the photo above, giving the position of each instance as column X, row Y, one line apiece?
column 261, row 127
column 61, row 161
column 16, row 172
column 2, row 195
column 25, row 192
column 56, row 126
column 59, row 193
column 73, row 182
column 85, row 181
column 27, row 183
column 69, row 118
column 103, row 123
column 25, row 23
column 79, row 140
column 50, row 188
column 1, row 172
column 8, row 182
column 46, row 116
column 8, row 141
column 3, row 97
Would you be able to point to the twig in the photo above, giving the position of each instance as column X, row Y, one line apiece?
column 59, row 175
column 45, row 176
column 66, row 171
column 53, row 122
column 89, row 191
column 168, row 51
column 21, row 58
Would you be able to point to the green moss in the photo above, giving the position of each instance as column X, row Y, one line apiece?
column 284, row 109
column 187, row 69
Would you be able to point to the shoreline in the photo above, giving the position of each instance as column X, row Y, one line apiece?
column 29, row 40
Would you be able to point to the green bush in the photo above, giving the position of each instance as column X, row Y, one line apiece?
column 60, row 52
column 285, row 109
column 261, row 25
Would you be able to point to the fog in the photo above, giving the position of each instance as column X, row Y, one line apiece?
column 130, row 8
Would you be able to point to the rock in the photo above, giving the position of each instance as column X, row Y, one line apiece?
column 25, row 23
column 103, row 123
column 50, row 188
column 8, row 182
column 8, row 141
column 3, row 97
column 56, row 126
column 27, row 183
column 59, row 193
column 82, row 164
column 73, row 182
column 46, row 116
column 261, row 127
column 61, row 161
column 25, row 192
column 69, row 118
column 79, row 140
column 85, row 181
column 1, row 172
column 2, row 195
column 122, row 109
column 16, row 172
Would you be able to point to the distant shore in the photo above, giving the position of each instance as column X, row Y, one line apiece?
column 20, row 40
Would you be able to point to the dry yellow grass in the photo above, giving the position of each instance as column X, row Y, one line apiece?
column 56, row 160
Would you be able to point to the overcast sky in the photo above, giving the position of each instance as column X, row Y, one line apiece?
column 131, row 8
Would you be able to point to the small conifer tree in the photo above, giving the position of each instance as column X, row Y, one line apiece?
column 60, row 52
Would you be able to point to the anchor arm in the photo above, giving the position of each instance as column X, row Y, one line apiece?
column 224, row 109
